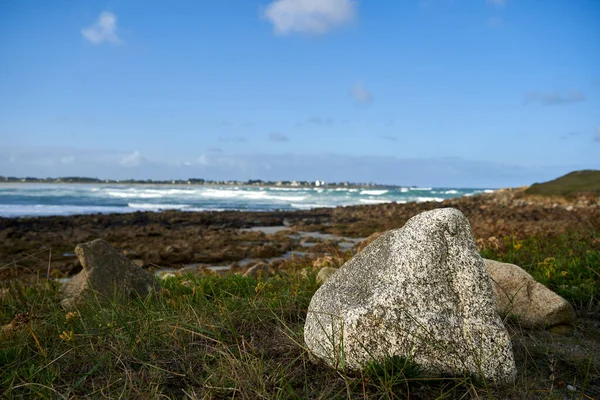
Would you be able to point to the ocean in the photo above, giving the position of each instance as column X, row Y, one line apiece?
column 31, row 199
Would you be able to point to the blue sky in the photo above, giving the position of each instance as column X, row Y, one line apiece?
column 426, row 92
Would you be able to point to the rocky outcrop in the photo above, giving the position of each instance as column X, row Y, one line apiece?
column 106, row 273
column 420, row 292
column 216, row 237
column 325, row 273
column 518, row 295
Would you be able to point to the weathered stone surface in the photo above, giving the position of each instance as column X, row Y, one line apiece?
column 420, row 292
column 533, row 304
column 370, row 239
column 107, row 272
column 259, row 270
column 518, row 295
column 325, row 273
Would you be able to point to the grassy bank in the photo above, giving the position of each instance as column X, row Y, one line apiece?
column 235, row 337
column 571, row 184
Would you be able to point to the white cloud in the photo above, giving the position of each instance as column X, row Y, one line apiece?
column 132, row 160
column 597, row 135
column 309, row 16
column 320, row 121
column 202, row 160
column 278, row 137
column 555, row 98
column 237, row 139
column 497, row 3
column 441, row 172
column 104, row 30
column 360, row 93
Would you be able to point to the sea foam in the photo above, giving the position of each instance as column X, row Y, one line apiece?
column 65, row 199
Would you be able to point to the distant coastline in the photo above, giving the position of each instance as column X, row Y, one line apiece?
column 198, row 181
column 35, row 197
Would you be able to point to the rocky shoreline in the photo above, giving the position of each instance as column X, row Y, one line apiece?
column 36, row 246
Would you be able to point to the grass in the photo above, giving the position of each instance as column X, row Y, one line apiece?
column 569, row 264
column 234, row 337
column 586, row 181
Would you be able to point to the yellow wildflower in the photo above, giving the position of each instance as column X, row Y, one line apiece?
column 67, row 336
column 72, row 316
column 517, row 246
column 259, row 287
column 295, row 289
column 548, row 266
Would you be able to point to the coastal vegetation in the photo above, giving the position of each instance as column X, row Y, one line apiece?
column 209, row 335
column 576, row 182
column 189, row 181
column 213, row 336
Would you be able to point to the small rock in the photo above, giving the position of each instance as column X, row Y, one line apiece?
column 106, row 272
column 166, row 275
column 139, row 263
column 325, row 273
column 518, row 294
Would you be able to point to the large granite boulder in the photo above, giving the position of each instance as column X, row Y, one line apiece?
column 420, row 292
column 518, row 295
column 107, row 272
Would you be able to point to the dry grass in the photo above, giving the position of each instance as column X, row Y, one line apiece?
column 234, row 337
